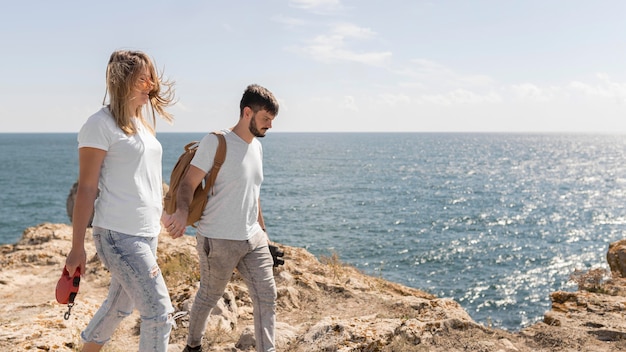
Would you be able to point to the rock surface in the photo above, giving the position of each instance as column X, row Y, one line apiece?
column 322, row 305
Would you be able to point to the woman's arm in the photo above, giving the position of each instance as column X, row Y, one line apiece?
column 89, row 161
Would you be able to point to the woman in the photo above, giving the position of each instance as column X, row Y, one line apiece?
column 120, row 156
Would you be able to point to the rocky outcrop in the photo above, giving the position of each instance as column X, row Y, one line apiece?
column 323, row 305
column 69, row 203
column 616, row 257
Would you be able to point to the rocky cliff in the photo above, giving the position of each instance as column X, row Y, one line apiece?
column 323, row 305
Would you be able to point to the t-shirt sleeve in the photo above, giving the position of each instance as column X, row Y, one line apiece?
column 205, row 154
column 95, row 133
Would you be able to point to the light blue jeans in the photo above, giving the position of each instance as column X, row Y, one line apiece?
column 136, row 282
column 218, row 259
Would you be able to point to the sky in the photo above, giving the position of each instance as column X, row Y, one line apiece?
column 334, row 65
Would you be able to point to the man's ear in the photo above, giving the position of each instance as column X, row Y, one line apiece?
column 247, row 112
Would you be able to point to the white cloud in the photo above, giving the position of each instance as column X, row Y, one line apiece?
column 433, row 74
column 395, row 99
column 289, row 21
column 349, row 30
column 602, row 87
column 605, row 88
column 532, row 92
column 333, row 47
column 460, row 97
column 423, row 67
column 350, row 103
column 316, row 5
column 429, row 82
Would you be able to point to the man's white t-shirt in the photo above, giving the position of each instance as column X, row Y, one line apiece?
column 131, row 186
column 233, row 208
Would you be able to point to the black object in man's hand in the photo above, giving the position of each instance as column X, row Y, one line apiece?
column 277, row 255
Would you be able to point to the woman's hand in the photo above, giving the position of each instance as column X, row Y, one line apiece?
column 175, row 224
column 76, row 258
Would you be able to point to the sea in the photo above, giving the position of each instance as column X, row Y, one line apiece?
column 495, row 221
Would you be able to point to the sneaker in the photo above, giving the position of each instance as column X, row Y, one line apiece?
column 193, row 349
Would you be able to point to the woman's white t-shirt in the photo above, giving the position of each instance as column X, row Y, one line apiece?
column 131, row 186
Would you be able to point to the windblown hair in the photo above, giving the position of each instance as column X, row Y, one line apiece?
column 258, row 98
column 123, row 70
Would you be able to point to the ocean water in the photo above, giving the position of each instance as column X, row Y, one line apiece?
column 494, row 221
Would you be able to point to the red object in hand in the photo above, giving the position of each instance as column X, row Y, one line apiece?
column 67, row 287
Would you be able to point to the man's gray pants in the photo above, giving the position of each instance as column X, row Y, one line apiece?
column 218, row 259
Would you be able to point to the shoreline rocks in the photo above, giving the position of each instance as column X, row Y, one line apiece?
column 322, row 305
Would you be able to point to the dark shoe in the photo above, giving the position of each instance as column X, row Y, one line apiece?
column 193, row 349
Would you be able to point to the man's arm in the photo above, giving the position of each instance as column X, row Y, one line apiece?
column 261, row 221
column 277, row 254
column 176, row 224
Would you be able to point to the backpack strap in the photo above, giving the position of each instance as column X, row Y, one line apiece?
column 218, row 161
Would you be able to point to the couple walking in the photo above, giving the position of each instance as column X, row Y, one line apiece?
column 120, row 181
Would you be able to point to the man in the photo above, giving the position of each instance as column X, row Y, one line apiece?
column 231, row 232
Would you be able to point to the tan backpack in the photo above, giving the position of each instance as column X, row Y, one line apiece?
column 201, row 193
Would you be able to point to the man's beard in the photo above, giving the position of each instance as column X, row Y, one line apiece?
column 253, row 129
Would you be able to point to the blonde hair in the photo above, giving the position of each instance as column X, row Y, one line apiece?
column 123, row 70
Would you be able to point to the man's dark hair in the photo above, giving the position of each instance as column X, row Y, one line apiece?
column 258, row 98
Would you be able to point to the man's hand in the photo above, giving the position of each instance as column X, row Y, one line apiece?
column 175, row 224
